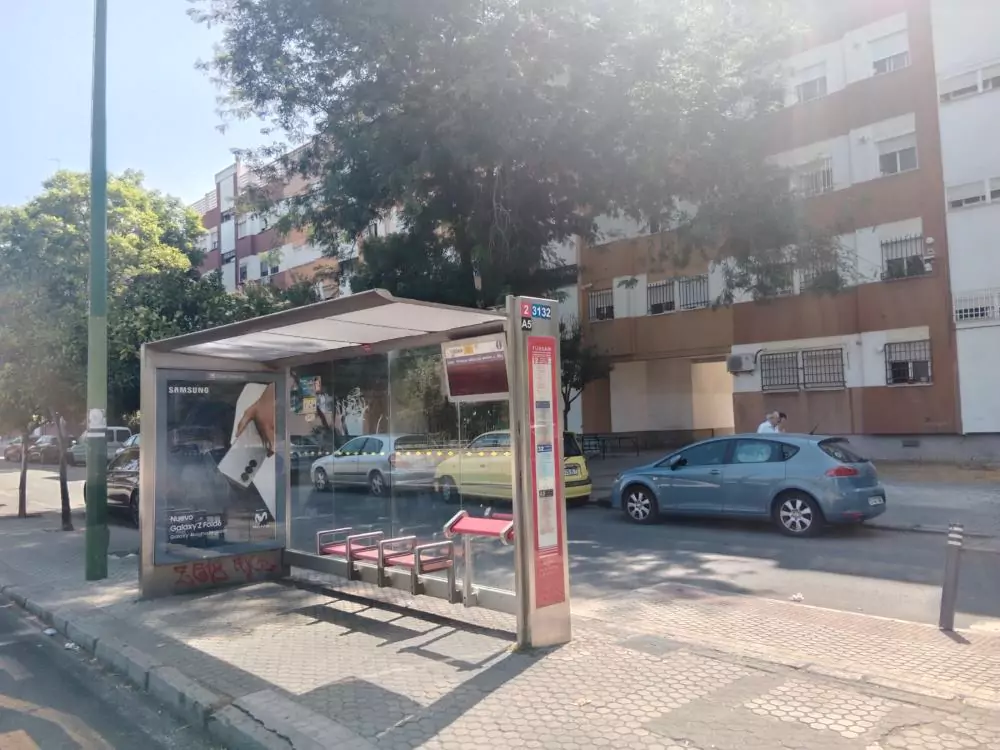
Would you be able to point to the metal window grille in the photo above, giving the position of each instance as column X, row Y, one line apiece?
column 908, row 362
column 602, row 305
column 660, row 297
column 783, row 278
column 693, row 292
column 983, row 304
column 779, row 371
column 903, row 257
column 823, row 368
column 815, row 178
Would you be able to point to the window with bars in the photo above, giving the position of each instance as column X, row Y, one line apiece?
column 821, row 273
column 823, row 368
column 692, row 292
column 243, row 272
column 904, row 257
column 814, row 178
column 908, row 362
column 779, row 371
column 982, row 304
column 660, row 297
column 601, row 304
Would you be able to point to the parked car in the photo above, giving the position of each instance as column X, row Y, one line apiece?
column 116, row 438
column 377, row 462
column 13, row 450
column 303, row 452
column 132, row 442
column 46, row 450
column 800, row 482
column 123, row 483
column 483, row 469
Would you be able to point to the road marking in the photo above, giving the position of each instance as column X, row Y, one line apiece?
column 18, row 740
column 80, row 733
column 14, row 668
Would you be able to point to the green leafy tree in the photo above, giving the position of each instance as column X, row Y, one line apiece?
column 582, row 363
column 498, row 128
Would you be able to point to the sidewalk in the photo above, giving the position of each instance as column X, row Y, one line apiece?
column 313, row 664
column 923, row 502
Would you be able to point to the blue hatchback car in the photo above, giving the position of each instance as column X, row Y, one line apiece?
column 801, row 482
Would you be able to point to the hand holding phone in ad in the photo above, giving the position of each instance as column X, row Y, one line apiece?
column 261, row 414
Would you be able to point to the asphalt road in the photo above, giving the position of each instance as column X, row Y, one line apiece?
column 56, row 699
column 886, row 573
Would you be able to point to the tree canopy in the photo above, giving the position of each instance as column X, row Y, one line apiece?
column 501, row 127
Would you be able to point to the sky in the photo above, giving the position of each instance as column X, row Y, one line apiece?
column 162, row 113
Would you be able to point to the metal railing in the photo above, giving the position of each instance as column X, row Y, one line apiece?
column 975, row 306
column 903, row 257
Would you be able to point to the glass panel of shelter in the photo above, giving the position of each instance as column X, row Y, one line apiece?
column 377, row 446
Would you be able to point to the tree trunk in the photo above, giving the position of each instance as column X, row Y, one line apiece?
column 67, row 519
column 22, row 489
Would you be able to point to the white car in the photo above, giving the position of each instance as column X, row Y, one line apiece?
column 377, row 462
column 117, row 437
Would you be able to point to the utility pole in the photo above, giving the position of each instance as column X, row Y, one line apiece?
column 97, row 328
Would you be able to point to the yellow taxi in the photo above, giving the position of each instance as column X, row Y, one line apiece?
column 483, row 469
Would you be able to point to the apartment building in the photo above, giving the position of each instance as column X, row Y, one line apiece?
column 244, row 247
column 860, row 137
column 967, row 55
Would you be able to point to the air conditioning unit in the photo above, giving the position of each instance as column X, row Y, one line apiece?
column 737, row 363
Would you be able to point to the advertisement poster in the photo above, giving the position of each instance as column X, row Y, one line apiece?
column 475, row 370
column 218, row 478
column 546, row 476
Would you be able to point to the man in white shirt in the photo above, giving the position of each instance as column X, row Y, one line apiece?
column 770, row 423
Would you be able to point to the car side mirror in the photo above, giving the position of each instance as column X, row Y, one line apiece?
column 677, row 462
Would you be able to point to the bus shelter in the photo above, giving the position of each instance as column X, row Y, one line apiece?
column 406, row 444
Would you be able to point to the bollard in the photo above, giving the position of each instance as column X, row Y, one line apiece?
column 949, row 590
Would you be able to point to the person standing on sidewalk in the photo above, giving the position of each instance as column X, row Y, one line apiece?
column 770, row 423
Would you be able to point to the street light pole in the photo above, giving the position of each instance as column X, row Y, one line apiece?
column 97, row 328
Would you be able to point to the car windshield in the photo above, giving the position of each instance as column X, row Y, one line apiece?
column 571, row 448
column 842, row 451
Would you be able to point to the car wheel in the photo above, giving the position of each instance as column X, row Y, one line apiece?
column 449, row 490
column 376, row 483
column 640, row 505
column 133, row 508
column 320, row 480
column 797, row 514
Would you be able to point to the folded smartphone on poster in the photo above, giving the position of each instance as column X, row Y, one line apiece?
column 265, row 482
column 245, row 458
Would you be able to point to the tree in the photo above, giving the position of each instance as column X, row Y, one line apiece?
column 500, row 127
column 17, row 414
column 582, row 363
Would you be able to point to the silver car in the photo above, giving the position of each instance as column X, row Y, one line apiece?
column 800, row 482
column 377, row 462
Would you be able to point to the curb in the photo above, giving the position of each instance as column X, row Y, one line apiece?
column 261, row 721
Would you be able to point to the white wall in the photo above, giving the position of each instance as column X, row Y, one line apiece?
column 226, row 180
column 711, row 395
column 227, row 236
column 965, row 33
column 864, row 361
column 651, row 395
column 974, row 247
column 978, row 363
column 228, row 272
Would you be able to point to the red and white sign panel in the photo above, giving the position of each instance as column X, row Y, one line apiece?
column 475, row 370
column 546, row 476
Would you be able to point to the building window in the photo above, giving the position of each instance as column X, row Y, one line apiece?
column 241, row 226
column 908, row 363
column 660, row 297
column 243, row 272
column 890, row 53
column 823, row 368
column 814, row 178
column 602, row 305
column 903, row 257
column 215, row 239
column 889, row 64
column 970, row 194
column 812, row 83
column 229, row 257
column 971, row 83
column 263, row 267
column 897, row 155
column 977, row 306
column 779, row 371
column 693, row 292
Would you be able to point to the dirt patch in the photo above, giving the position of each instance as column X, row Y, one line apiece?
column 904, row 471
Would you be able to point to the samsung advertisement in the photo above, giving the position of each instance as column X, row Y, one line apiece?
column 219, row 475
